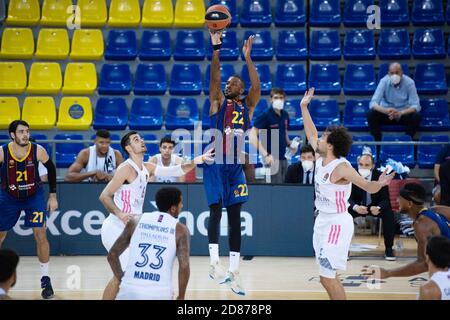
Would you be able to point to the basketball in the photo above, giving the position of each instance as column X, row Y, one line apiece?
column 217, row 17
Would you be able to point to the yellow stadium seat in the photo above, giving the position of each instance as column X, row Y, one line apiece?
column 157, row 14
column 87, row 44
column 23, row 13
column 45, row 78
column 75, row 113
column 93, row 13
column 39, row 112
column 13, row 77
column 52, row 44
column 54, row 12
column 190, row 13
column 80, row 78
column 17, row 43
column 124, row 13
column 9, row 111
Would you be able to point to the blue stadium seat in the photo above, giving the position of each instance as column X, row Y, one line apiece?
column 430, row 78
column 182, row 113
column 359, row 79
column 394, row 44
column 427, row 13
column 185, row 79
column 152, row 148
column 325, row 113
column 66, row 153
column 355, row 114
column 426, row 154
column 401, row 153
column 448, row 12
column 111, row 114
column 394, row 12
column 255, row 13
column 264, row 76
column 229, row 50
column 359, row 45
column 155, row 45
column 434, row 114
column 291, row 45
column 290, row 13
column 232, row 8
column 262, row 49
column 325, row 45
column 121, row 45
column 325, row 13
column 2, row 11
column 356, row 149
column 355, row 12
column 325, row 79
column 40, row 139
column 4, row 137
column 150, row 79
column 428, row 44
column 189, row 45
column 206, row 121
column 146, row 114
column 291, row 77
column 226, row 71
column 115, row 79
column 384, row 70
column 292, row 107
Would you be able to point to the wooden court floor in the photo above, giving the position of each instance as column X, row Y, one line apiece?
column 272, row 278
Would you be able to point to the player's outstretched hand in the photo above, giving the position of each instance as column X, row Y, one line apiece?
column 125, row 217
column 207, row 157
column 216, row 36
column 385, row 178
column 247, row 49
column 52, row 203
column 309, row 94
column 375, row 272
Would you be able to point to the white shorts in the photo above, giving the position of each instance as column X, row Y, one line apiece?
column 112, row 228
column 331, row 240
column 130, row 292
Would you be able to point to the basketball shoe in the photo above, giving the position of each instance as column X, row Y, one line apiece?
column 47, row 289
column 233, row 280
column 216, row 272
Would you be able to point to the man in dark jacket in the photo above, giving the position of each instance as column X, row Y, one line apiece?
column 302, row 172
column 378, row 204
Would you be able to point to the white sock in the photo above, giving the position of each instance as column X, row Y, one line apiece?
column 44, row 269
column 214, row 252
column 234, row 261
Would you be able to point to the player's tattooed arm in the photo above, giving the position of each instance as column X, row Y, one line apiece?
column 310, row 129
column 183, row 249
column 216, row 96
column 119, row 247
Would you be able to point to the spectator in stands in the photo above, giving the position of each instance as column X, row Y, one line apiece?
column 166, row 158
column 8, row 276
column 395, row 102
column 97, row 162
column 378, row 204
column 302, row 172
column 441, row 193
column 274, row 118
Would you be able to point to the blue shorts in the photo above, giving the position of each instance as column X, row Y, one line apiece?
column 225, row 182
column 35, row 210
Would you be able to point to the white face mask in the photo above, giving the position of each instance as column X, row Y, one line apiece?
column 307, row 165
column 278, row 104
column 395, row 79
column 364, row 172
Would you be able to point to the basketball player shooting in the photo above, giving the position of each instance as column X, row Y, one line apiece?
column 333, row 228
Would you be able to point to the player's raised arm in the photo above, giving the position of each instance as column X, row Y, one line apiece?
column 42, row 156
column 254, row 93
column 216, row 96
column 310, row 128
column 106, row 197
column 183, row 249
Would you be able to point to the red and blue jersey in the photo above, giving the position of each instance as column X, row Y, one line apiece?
column 20, row 177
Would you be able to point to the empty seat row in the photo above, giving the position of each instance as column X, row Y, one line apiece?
column 46, row 78
column 52, row 44
column 94, row 13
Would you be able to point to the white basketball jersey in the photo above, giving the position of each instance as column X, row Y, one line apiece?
column 442, row 280
column 172, row 163
column 130, row 197
column 330, row 197
column 152, row 253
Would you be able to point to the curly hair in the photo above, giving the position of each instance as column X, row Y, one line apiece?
column 340, row 139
